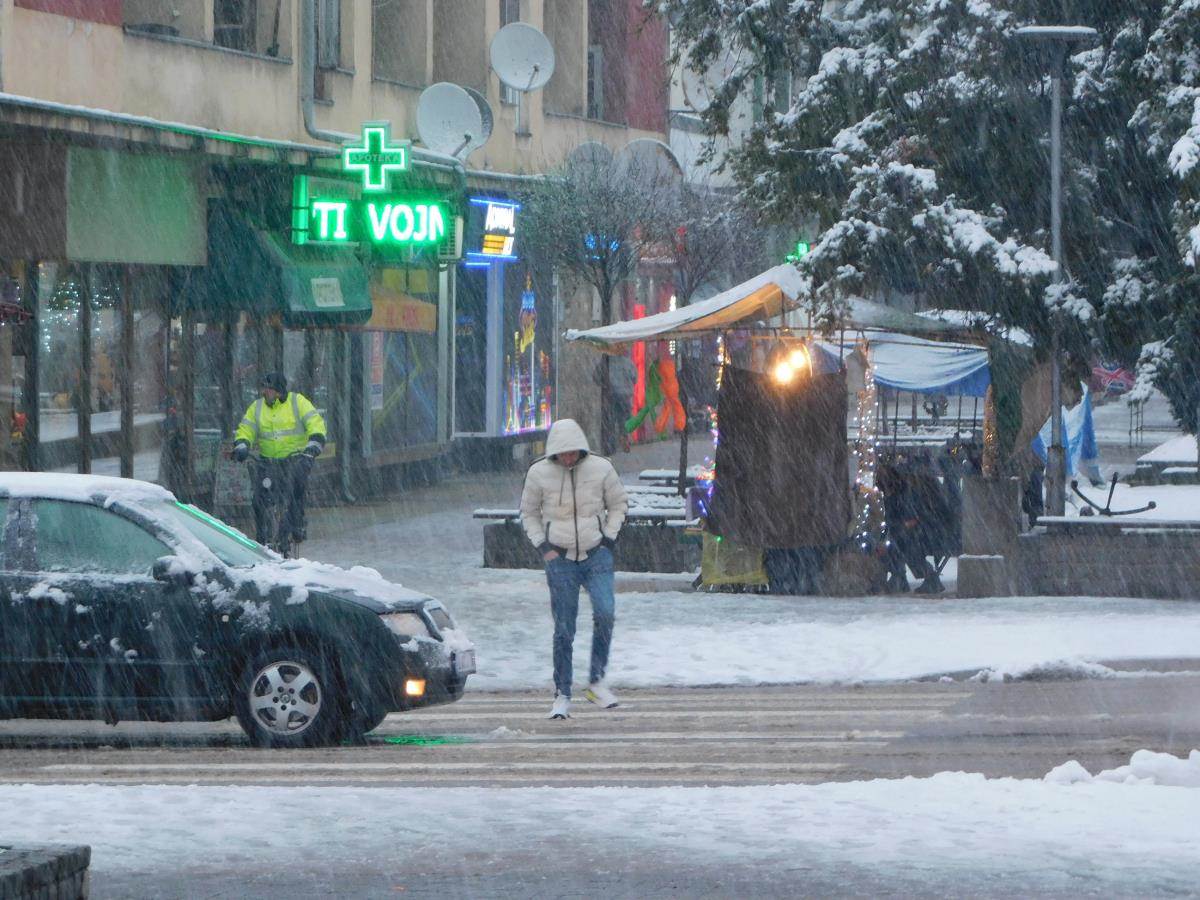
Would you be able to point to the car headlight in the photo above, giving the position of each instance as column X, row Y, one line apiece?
column 406, row 623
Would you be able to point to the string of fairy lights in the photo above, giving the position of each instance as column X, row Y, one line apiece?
column 870, row 526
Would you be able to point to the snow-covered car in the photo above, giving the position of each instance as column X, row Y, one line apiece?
column 119, row 602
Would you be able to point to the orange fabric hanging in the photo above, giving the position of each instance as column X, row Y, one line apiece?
column 671, row 409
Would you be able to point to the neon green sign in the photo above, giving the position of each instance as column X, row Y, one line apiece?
column 802, row 248
column 377, row 157
column 332, row 212
column 393, row 221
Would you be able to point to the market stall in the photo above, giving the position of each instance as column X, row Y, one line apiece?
column 778, row 500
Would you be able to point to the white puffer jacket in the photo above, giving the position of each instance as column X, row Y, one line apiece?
column 571, row 510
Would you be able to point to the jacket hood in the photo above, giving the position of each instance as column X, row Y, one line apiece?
column 565, row 436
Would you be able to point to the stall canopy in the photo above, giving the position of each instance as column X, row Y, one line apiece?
column 906, row 363
column 258, row 271
column 763, row 297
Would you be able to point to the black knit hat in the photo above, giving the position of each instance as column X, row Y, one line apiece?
column 275, row 380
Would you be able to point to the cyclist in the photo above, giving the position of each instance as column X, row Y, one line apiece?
column 290, row 434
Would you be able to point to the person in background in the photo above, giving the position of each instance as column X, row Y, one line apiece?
column 290, row 434
column 572, row 509
column 912, row 520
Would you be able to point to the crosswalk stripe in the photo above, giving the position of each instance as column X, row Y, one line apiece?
column 733, row 714
column 694, row 696
column 408, row 768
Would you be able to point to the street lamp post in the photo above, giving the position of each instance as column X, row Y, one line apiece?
column 1058, row 38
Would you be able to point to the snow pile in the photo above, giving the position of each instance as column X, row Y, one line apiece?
column 1145, row 767
column 1180, row 449
column 1056, row 670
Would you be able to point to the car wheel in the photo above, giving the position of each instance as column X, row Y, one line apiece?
column 287, row 697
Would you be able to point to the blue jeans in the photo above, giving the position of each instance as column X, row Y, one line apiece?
column 565, row 578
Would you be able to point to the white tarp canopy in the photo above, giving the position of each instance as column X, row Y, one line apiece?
column 761, row 298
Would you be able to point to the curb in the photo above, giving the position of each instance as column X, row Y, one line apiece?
column 44, row 872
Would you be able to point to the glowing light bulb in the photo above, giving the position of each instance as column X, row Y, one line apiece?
column 784, row 372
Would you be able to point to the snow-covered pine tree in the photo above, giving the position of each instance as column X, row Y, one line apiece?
column 917, row 130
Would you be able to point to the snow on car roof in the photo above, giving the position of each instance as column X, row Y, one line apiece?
column 59, row 486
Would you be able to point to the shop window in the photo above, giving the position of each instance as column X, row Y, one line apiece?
column 153, row 403
column 528, row 374
column 308, row 365
column 400, row 364
column 14, row 335
column 60, row 298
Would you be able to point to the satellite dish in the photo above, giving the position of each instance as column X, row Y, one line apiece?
column 485, row 111
column 590, row 156
column 450, row 121
column 522, row 57
column 648, row 162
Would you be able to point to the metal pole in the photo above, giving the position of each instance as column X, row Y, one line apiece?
column 1056, row 495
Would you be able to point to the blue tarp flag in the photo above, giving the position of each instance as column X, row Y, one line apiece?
column 1079, row 437
column 912, row 364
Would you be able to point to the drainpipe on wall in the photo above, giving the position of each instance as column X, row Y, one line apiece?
column 427, row 158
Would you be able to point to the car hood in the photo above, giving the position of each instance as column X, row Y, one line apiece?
column 358, row 584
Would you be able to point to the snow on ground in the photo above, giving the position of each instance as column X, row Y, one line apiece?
column 700, row 639
column 428, row 541
column 1069, row 832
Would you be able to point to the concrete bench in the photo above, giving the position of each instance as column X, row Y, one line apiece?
column 651, row 541
column 668, row 477
column 1113, row 524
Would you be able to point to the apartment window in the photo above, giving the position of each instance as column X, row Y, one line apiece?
column 235, row 24
column 510, row 11
column 329, row 33
column 595, row 82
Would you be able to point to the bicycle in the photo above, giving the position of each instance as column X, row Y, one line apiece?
column 275, row 500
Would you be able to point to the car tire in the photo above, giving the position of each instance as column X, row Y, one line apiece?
column 288, row 696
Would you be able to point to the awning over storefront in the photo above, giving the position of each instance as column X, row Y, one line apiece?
column 259, row 271
column 761, row 298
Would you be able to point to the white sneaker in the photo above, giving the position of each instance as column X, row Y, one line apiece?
column 561, row 708
column 598, row 693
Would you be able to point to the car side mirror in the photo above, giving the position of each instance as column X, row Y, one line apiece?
column 172, row 570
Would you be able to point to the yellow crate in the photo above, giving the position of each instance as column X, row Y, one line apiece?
column 723, row 562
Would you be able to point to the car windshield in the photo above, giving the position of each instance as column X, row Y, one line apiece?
column 229, row 545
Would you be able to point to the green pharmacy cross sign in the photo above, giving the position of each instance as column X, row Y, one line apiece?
column 801, row 251
column 378, row 157
column 331, row 212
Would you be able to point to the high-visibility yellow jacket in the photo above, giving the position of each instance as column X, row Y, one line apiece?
column 283, row 428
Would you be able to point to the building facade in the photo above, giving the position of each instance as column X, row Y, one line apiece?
column 173, row 176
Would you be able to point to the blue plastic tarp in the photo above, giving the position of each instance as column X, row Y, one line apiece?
column 912, row 364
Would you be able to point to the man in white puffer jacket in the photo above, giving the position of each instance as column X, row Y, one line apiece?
column 572, row 509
